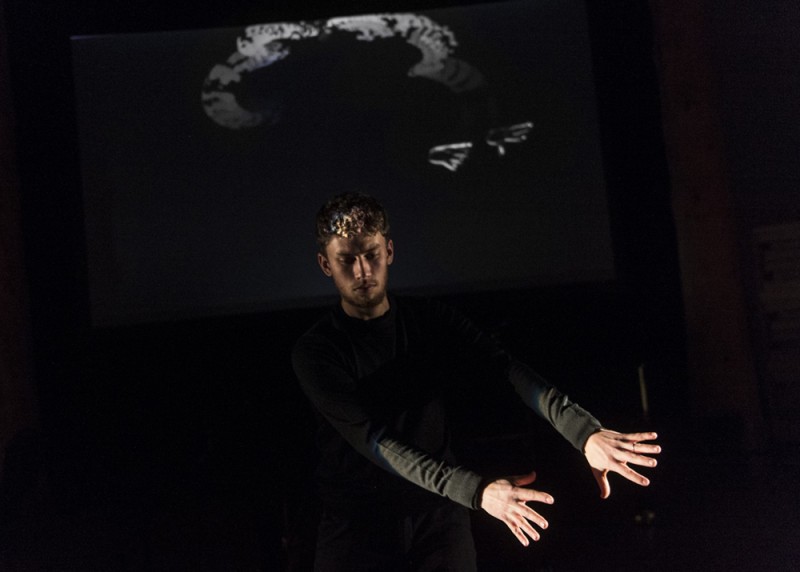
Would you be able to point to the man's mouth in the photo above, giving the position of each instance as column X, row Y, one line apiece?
column 366, row 287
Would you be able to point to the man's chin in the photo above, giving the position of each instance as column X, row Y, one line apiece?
column 368, row 299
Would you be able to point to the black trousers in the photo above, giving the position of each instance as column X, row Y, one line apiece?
column 371, row 540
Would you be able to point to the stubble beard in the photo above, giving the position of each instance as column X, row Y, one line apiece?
column 362, row 300
column 368, row 300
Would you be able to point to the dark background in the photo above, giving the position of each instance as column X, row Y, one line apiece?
column 186, row 445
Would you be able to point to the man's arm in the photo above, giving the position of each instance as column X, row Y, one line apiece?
column 325, row 382
column 606, row 451
column 573, row 422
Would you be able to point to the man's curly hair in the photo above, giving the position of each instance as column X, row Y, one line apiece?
column 348, row 215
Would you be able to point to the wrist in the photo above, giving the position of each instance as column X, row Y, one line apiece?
column 589, row 437
column 484, row 482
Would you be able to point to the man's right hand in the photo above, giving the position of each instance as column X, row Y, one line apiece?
column 505, row 499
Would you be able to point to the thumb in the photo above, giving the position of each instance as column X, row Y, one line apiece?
column 602, row 481
column 522, row 480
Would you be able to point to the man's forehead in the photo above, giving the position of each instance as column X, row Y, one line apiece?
column 356, row 244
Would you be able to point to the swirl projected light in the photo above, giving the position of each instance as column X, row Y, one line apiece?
column 264, row 45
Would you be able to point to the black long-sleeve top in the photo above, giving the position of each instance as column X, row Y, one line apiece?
column 382, row 389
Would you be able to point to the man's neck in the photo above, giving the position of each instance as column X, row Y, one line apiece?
column 366, row 313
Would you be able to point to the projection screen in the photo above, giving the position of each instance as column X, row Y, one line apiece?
column 206, row 153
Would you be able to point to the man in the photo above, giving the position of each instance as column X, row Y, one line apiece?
column 380, row 371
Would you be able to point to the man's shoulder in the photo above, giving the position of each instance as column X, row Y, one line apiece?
column 427, row 309
column 418, row 304
column 319, row 331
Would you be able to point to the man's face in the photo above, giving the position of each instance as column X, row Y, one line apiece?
column 359, row 267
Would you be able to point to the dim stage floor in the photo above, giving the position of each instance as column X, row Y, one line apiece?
column 706, row 510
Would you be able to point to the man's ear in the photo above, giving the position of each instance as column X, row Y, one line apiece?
column 324, row 264
column 389, row 251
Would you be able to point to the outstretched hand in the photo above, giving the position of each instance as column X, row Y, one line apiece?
column 505, row 499
column 609, row 451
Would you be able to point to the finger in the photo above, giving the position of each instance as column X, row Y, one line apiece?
column 517, row 531
column 602, row 482
column 523, row 529
column 645, row 448
column 528, row 529
column 532, row 495
column 649, row 436
column 530, row 515
column 523, row 480
column 641, row 460
column 632, row 475
column 530, row 532
column 637, row 454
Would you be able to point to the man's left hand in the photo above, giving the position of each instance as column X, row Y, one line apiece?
column 609, row 451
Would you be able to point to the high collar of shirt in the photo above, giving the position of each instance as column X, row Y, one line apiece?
column 373, row 324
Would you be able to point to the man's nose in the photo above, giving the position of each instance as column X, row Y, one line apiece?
column 363, row 269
